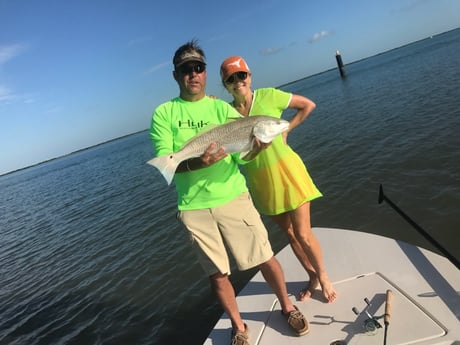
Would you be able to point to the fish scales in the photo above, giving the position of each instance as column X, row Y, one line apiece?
column 230, row 136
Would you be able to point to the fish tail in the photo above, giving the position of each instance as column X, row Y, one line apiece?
column 167, row 166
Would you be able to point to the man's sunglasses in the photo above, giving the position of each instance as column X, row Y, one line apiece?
column 189, row 68
column 238, row 75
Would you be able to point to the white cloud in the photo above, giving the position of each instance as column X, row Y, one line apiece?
column 29, row 100
column 8, row 52
column 158, row 67
column 139, row 41
column 5, row 94
column 410, row 6
column 8, row 96
column 270, row 51
column 320, row 35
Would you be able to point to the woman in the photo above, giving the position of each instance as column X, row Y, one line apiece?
column 277, row 178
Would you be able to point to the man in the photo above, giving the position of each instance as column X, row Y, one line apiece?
column 213, row 201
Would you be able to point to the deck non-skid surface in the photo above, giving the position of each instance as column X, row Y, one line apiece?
column 337, row 321
column 425, row 304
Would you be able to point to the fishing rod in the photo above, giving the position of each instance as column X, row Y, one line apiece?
column 386, row 319
column 450, row 257
column 371, row 324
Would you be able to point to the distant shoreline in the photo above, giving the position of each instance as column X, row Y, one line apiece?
column 71, row 153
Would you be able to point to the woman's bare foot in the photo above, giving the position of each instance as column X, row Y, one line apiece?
column 328, row 292
column 309, row 290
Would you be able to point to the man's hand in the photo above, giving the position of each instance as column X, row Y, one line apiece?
column 211, row 156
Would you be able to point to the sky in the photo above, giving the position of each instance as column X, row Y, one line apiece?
column 74, row 74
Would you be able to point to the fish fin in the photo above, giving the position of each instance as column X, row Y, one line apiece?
column 167, row 166
column 209, row 127
column 232, row 119
column 244, row 153
column 248, row 148
column 202, row 132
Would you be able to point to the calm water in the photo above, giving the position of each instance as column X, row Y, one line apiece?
column 91, row 253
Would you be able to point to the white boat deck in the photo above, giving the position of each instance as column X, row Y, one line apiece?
column 425, row 287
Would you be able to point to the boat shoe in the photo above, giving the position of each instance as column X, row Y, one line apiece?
column 240, row 338
column 297, row 321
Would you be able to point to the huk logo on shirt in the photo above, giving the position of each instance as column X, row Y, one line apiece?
column 190, row 124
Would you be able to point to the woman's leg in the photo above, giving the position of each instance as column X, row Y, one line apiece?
column 307, row 249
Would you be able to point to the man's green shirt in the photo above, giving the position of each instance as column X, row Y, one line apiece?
column 177, row 121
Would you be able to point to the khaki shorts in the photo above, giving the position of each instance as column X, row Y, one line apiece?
column 238, row 225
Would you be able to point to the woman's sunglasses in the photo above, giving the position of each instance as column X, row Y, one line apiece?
column 189, row 68
column 238, row 75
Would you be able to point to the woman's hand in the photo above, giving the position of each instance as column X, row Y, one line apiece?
column 257, row 148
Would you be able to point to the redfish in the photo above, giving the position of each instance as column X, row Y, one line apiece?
column 235, row 136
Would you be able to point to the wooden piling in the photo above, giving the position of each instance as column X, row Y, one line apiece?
column 338, row 57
